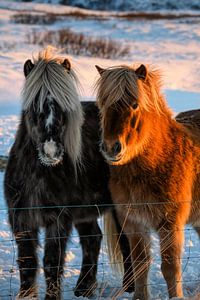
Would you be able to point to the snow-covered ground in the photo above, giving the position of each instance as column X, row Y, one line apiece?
column 173, row 46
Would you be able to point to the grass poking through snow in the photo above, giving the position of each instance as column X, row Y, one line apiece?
column 79, row 44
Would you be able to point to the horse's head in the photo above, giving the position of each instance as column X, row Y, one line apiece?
column 52, row 109
column 129, row 101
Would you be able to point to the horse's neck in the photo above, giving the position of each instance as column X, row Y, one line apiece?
column 158, row 145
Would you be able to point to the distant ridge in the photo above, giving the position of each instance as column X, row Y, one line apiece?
column 73, row 11
column 128, row 5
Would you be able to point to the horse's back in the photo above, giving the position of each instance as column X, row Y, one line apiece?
column 191, row 123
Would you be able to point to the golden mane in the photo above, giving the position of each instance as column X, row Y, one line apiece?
column 121, row 83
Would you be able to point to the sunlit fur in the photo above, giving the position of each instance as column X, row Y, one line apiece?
column 156, row 182
column 117, row 89
column 50, row 77
column 191, row 121
column 115, row 80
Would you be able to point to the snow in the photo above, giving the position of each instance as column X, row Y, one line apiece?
column 171, row 45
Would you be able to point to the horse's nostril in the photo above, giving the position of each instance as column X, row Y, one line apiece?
column 117, row 148
column 103, row 147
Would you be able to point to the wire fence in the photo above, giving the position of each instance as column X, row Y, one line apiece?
column 109, row 285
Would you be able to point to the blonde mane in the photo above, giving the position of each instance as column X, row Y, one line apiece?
column 49, row 76
column 121, row 83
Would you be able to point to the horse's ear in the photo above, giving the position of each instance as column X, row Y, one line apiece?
column 28, row 67
column 141, row 72
column 99, row 69
column 66, row 64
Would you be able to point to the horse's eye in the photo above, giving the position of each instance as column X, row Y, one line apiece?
column 135, row 105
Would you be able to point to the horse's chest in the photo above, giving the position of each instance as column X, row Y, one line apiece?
column 44, row 190
column 42, row 197
column 136, row 205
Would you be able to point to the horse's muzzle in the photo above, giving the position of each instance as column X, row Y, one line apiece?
column 112, row 154
column 50, row 153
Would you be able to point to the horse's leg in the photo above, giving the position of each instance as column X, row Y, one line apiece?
column 27, row 242
column 54, row 256
column 128, row 279
column 171, row 243
column 140, row 251
column 139, row 242
column 90, row 239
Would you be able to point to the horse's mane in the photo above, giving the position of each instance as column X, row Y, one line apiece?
column 49, row 76
column 121, row 83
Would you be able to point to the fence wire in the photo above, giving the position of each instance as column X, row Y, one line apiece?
column 11, row 270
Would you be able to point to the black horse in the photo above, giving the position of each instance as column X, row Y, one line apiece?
column 56, row 178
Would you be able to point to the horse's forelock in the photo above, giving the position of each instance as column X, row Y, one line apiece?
column 51, row 77
column 120, row 83
column 116, row 84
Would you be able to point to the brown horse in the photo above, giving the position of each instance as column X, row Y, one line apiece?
column 155, row 170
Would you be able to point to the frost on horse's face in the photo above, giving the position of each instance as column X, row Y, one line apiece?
column 47, row 129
